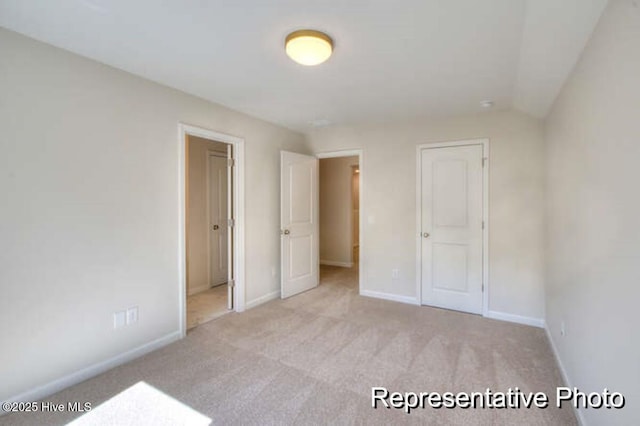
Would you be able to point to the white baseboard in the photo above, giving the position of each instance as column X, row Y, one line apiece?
column 388, row 296
column 502, row 316
column 93, row 370
column 334, row 263
column 563, row 372
column 263, row 299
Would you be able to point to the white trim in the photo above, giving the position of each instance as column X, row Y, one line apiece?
column 360, row 154
column 340, row 153
column 238, row 205
column 503, row 316
column 93, row 370
column 263, row 299
column 485, row 213
column 334, row 263
column 563, row 372
column 392, row 297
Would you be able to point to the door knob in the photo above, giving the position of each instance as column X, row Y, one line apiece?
column 286, row 232
column 216, row 227
column 425, row 235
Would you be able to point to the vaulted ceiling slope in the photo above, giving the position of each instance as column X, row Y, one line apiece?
column 392, row 59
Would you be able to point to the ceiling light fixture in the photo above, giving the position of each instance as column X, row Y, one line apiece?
column 486, row 104
column 308, row 47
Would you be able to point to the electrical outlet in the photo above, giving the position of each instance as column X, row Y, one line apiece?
column 119, row 319
column 132, row 315
column 563, row 331
column 395, row 273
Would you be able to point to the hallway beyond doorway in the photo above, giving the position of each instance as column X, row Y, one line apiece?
column 206, row 305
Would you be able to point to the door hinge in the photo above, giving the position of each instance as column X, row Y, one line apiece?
column 483, row 287
column 231, row 223
column 231, row 283
column 484, row 161
column 230, row 162
column 483, row 224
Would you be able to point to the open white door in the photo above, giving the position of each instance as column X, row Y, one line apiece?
column 230, row 227
column 299, row 229
column 218, row 235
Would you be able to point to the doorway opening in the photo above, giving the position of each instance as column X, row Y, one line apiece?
column 212, row 282
column 209, row 206
column 319, row 245
column 339, row 204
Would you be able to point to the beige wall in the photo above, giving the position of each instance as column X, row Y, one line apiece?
column 89, row 217
column 198, row 221
column 593, row 257
column 336, row 210
column 388, row 191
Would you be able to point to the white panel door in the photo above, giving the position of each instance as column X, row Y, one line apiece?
column 218, row 229
column 451, row 222
column 230, row 229
column 298, row 223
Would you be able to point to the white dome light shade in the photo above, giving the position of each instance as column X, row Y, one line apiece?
column 308, row 47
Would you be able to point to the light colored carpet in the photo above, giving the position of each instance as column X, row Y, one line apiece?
column 206, row 305
column 313, row 358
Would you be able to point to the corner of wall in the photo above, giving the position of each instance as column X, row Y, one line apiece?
column 563, row 372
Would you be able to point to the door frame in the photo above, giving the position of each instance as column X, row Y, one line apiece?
column 352, row 153
column 485, row 213
column 238, row 207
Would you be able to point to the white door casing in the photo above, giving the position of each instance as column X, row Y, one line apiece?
column 298, row 223
column 451, row 227
column 218, row 219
